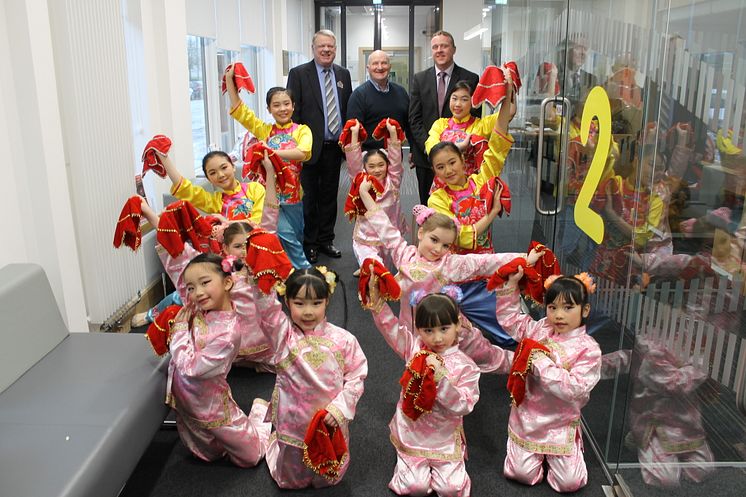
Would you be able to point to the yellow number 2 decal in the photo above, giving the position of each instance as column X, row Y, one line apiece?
column 597, row 105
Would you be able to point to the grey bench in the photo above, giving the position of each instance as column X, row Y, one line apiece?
column 77, row 411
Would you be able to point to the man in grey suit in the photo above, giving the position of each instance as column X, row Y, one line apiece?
column 428, row 100
column 321, row 90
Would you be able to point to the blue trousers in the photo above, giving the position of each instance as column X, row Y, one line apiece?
column 290, row 232
column 479, row 306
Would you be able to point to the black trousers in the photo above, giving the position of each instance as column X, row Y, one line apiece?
column 424, row 173
column 320, row 184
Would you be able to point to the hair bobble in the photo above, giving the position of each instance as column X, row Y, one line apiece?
column 330, row 277
column 452, row 291
column 421, row 213
column 228, row 263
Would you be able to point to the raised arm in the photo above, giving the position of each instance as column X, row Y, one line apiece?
column 354, row 152
column 393, row 242
column 271, row 210
column 574, row 384
column 508, row 310
column 395, row 169
column 398, row 336
column 214, row 359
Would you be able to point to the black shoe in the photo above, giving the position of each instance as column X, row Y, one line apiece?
column 330, row 250
column 312, row 255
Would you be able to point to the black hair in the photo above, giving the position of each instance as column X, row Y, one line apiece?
column 570, row 289
column 233, row 229
column 209, row 258
column 279, row 89
column 462, row 85
column 311, row 279
column 439, row 147
column 436, row 309
column 210, row 155
column 374, row 152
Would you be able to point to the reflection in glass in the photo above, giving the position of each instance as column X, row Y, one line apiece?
column 196, row 58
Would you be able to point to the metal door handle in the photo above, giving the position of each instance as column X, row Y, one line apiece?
column 562, row 163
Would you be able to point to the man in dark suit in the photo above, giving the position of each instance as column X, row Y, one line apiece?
column 321, row 90
column 578, row 82
column 428, row 100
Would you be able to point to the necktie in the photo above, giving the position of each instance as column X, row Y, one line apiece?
column 332, row 114
column 441, row 91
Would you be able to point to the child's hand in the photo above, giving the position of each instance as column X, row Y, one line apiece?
column 390, row 127
column 464, row 144
column 331, row 420
column 509, row 94
column 535, row 255
column 268, row 167
column 514, row 278
column 432, row 361
column 365, row 186
column 356, row 128
column 229, row 73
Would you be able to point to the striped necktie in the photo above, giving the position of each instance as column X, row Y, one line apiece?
column 332, row 114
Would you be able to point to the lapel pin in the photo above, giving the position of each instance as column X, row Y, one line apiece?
column 340, row 84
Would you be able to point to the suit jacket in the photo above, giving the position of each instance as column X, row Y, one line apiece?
column 423, row 106
column 303, row 82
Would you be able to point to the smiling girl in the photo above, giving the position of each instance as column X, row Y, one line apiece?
column 292, row 143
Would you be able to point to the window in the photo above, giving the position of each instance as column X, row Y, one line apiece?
column 197, row 100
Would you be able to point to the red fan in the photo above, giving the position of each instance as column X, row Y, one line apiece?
column 418, row 386
column 240, row 77
column 381, row 133
column 345, row 137
column 354, row 205
column 267, row 259
column 150, row 159
column 388, row 287
column 181, row 222
column 324, row 447
column 128, row 226
column 523, row 359
column 159, row 331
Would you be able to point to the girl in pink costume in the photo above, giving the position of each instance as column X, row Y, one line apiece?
column 546, row 425
column 430, row 450
column 205, row 340
column 387, row 169
column 292, row 142
column 319, row 366
column 430, row 265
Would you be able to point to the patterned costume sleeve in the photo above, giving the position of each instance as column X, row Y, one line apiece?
column 198, row 196
column 256, row 192
column 304, row 140
column 485, row 125
column 355, row 371
column 459, row 394
column 207, row 362
column 354, row 156
column 250, row 121
column 508, row 312
column 467, row 236
column 433, row 136
column 395, row 169
column 243, row 294
column 270, row 214
column 275, row 324
column 466, row 267
column 573, row 385
column 174, row 266
column 393, row 242
column 399, row 337
column 494, row 158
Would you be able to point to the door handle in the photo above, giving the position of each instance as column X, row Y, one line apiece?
column 561, row 164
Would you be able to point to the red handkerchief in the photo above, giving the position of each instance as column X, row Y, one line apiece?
column 253, row 156
column 241, row 78
column 418, row 386
column 159, row 331
column 354, row 205
column 181, row 222
column 267, row 259
column 128, row 226
column 501, row 275
column 523, row 359
column 381, row 133
column 491, row 87
column 487, row 192
column 345, row 137
column 324, row 447
column 388, row 287
column 546, row 266
column 150, row 159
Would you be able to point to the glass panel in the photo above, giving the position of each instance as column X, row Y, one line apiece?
column 359, row 41
column 228, row 127
column 196, row 58
column 331, row 19
column 395, row 41
column 426, row 22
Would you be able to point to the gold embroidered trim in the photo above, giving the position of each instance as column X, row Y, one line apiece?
column 259, row 247
column 288, row 440
column 208, row 425
column 564, row 449
column 312, row 341
column 456, row 455
column 253, row 350
column 334, row 411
